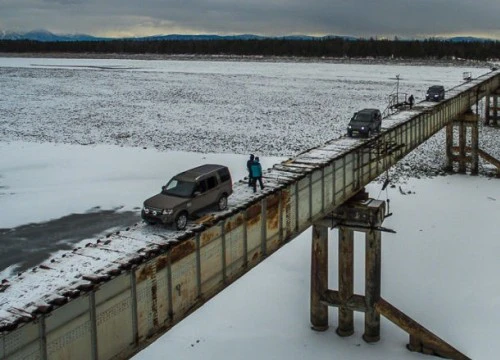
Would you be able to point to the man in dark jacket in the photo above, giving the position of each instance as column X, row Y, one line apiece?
column 256, row 174
column 411, row 100
column 249, row 164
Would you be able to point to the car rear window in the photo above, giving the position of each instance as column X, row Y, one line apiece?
column 224, row 175
column 211, row 182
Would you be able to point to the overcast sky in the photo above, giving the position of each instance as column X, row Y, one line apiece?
column 363, row 18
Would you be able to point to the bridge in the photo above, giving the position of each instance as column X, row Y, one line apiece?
column 105, row 299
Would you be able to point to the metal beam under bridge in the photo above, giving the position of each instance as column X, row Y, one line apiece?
column 154, row 277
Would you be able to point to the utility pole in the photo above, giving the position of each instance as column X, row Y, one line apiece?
column 397, row 89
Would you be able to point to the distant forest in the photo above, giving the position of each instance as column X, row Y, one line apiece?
column 336, row 48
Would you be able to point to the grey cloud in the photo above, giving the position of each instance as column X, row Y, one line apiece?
column 277, row 17
column 65, row 2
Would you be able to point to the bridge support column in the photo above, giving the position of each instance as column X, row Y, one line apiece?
column 487, row 116
column 492, row 109
column 462, row 131
column 319, row 277
column 449, row 147
column 363, row 215
column 346, row 280
column 495, row 109
column 372, row 285
column 474, row 148
column 466, row 152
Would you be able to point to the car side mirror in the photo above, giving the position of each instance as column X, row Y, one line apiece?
column 163, row 188
column 196, row 193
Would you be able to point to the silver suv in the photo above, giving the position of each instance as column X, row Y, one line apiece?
column 187, row 193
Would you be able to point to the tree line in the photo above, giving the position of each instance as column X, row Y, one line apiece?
column 336, row 47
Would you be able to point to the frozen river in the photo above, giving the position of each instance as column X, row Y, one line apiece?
column 231, row 107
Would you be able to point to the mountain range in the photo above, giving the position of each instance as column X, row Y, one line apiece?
column 47, row 36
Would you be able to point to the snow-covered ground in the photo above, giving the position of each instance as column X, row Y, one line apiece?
column 140, row 119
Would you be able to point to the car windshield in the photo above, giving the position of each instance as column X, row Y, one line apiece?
column 179, row 188
column 362, row 117
column 434, row 90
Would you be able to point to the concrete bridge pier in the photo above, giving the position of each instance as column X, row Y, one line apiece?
column 466, row 152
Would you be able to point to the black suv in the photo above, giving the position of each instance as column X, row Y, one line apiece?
column 435, row 93
column 364, row 122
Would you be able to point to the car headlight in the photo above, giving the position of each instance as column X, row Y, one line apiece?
column 167, row 212
column 146, row 210
column 362, row 127
column 349, row 127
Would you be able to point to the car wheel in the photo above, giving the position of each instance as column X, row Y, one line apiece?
column 150, row 222
column 222, row 204
column 349, row 133
column 368, row 134
column 181, row 221
column 379, row 128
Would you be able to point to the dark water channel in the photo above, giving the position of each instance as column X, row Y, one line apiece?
column 29, row 245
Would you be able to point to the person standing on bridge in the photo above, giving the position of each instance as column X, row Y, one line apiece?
column 411, row 100
column 256, row 174
column 249, row 164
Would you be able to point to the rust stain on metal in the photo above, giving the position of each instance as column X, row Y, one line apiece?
column 273, row 220
column 285, row 196
column 256, row 256
column 145, row 273
column 286, row 206
column 209, row 235
column 273, row 212
column 161, row 262
column 253, row 214
column 181, row 250
column 154, row 303
column 231, row 225
column 272, row 200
